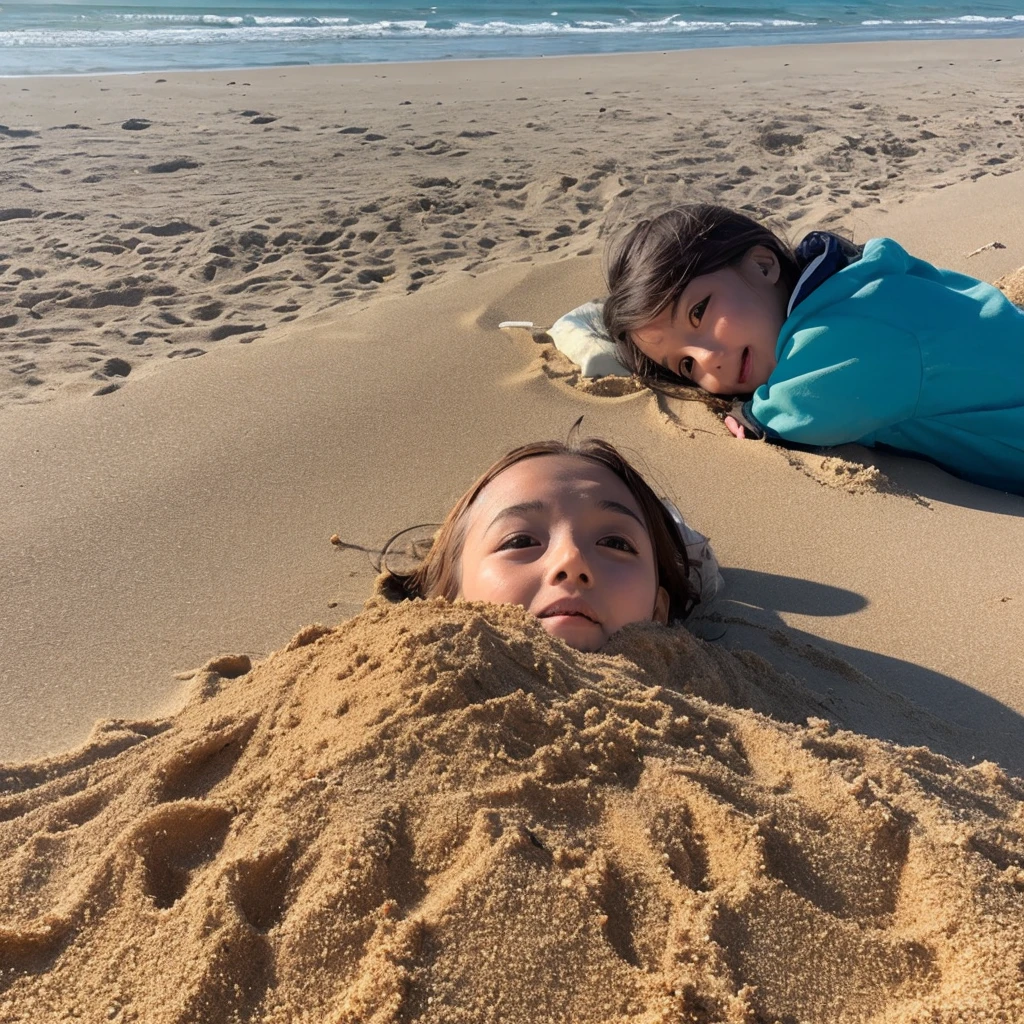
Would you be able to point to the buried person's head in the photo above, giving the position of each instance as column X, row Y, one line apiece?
column 572, row 533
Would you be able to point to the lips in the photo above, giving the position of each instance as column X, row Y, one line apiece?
column 744, row 366
column 570, row 607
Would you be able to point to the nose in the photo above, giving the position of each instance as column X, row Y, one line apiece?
column 707, row 361
column 709, row 356
column 567, row 562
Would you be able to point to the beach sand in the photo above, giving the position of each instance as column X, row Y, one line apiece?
column 434, row 812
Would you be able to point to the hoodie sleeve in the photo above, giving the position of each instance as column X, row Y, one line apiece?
column 838, row 382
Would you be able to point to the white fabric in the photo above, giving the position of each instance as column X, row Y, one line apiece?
column 581, row 335
column 704, row 573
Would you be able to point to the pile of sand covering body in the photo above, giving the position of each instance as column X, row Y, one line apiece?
column 435, row 812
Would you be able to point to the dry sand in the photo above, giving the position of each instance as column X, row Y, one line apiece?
column 438, row 813
column 689, row 859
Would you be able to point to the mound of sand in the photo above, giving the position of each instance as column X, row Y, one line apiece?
column 1013, row 286
column 435, row 812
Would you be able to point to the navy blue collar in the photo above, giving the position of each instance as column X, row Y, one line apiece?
column 820, row 255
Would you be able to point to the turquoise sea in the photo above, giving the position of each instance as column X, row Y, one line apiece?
column 78, row 37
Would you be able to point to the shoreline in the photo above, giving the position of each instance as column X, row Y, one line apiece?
column 785, row 42
column 1015, row 43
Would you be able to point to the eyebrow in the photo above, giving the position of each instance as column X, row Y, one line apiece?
column 538, row 506
column 516, row 510
column 625, row 510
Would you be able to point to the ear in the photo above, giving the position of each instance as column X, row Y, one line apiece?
column 661, row 607
column 764, row 262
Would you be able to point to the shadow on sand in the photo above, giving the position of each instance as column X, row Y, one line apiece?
column 871, row 693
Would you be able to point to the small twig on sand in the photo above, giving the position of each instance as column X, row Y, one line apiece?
column 982, row 248
column 344, row 544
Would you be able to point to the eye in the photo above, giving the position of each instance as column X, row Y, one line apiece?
column 619, row 544
column 516, row 541
column 697, row 312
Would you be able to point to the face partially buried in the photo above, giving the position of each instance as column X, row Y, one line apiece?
column 565, row 538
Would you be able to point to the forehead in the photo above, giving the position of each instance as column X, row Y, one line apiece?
column 553, row 480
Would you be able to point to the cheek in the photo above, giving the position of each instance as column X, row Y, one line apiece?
column 496, row 581
column 634, row 594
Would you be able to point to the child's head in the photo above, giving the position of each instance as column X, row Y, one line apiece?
column 569, row 531
column 697, row 295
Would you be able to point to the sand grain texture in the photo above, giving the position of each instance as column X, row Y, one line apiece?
column 1013, row 286
column 435, row 812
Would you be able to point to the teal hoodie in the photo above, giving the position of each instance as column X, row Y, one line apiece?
column 893, row 351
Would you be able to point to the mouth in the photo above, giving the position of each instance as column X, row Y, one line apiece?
column 744, row 366
column 569, row 608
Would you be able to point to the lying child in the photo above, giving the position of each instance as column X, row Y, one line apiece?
column 573, row 534
column 834, row 343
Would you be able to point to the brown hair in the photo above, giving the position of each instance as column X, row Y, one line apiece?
column 649, row 268
column 439, row 574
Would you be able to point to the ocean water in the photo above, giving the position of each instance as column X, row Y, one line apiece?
column 79, row 37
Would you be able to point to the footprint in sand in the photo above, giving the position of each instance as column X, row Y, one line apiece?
column 17, row 133
column 174, row 842
column 172, row 228
column 259, row 887
column 252, row 240
column 779, row 143
column 18, row 213
column 222, row 331
column 193, row 772
column 375, row 275
column 117, row 296
column 169, row 166
column 117, row 367
column 210, row 311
